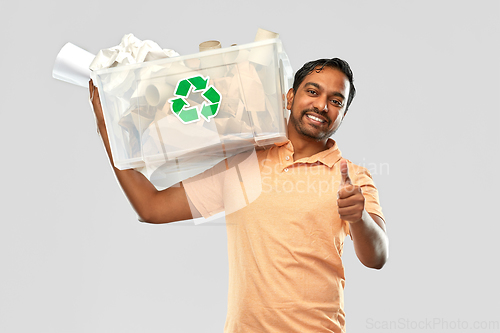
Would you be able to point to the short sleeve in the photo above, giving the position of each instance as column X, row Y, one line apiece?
column 206, row 190
column 362, row 178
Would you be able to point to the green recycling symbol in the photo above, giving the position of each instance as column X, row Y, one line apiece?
column 181, row 108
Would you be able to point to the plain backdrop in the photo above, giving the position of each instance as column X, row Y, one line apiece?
column 74, row 258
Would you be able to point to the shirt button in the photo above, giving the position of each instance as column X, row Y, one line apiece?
column 286, row 169
column 287, row 158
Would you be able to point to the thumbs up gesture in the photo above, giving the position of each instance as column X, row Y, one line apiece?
column 350, row 202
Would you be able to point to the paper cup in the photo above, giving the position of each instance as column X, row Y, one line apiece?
column 72, row 65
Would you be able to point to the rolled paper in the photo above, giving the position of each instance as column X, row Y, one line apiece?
column 72, row 65
column 263, row 34
column 209, row 45
column 213, row 63
column 157, row 94
column 262, row 55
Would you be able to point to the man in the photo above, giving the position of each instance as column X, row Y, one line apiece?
column 284, row 245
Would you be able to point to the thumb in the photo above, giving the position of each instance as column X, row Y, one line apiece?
column 344, row 171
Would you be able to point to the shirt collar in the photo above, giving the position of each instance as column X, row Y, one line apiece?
column 328, row 157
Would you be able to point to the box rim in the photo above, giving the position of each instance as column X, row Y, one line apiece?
column 128, row 67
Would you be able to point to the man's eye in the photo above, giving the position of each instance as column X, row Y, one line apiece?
column 337, row 103
column 311, row 92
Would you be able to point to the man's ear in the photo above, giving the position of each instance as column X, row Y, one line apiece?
column 289, row 99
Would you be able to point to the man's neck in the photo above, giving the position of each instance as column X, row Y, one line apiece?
column 305, row 147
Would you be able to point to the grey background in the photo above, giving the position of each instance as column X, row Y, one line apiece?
column 73, row 256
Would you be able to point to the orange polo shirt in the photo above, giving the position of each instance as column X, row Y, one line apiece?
column 285, row 237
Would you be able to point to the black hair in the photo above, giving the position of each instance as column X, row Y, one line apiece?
column 318, row 65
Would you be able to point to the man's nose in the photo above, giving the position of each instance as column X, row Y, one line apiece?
column 321, row 104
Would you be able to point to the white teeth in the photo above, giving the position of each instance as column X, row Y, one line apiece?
column 315, row 118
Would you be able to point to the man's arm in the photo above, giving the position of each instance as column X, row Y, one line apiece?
column 151, row 205
column 367, row 230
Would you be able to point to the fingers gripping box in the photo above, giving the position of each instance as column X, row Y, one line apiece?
column 190, row 111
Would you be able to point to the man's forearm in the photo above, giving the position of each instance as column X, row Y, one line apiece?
column 137, row 188
column 370, row 240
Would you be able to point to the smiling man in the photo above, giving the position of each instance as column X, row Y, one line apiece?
column 285, row 242
column 285, row 247
column 318, row 103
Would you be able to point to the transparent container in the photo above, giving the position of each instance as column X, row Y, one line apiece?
column 190, row 111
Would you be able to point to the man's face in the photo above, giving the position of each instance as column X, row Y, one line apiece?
column 318, row 105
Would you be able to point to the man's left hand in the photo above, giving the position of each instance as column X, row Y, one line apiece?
column 350, row 202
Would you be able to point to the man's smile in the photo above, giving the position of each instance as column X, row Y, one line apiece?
column 315, row 118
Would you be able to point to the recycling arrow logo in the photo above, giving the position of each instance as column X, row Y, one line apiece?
column 207, row 110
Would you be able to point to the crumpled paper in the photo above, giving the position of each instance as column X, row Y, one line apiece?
column 131, row 50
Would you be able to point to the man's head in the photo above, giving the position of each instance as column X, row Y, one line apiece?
column 319, row 65
column 319, row 99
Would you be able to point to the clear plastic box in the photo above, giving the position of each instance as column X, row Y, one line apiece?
column 197, row 109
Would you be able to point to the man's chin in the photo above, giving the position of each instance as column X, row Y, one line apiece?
column 314, row 133
column 314, row 136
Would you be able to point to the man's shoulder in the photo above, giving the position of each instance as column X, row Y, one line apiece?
column 356, row 169
column 259, row 152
